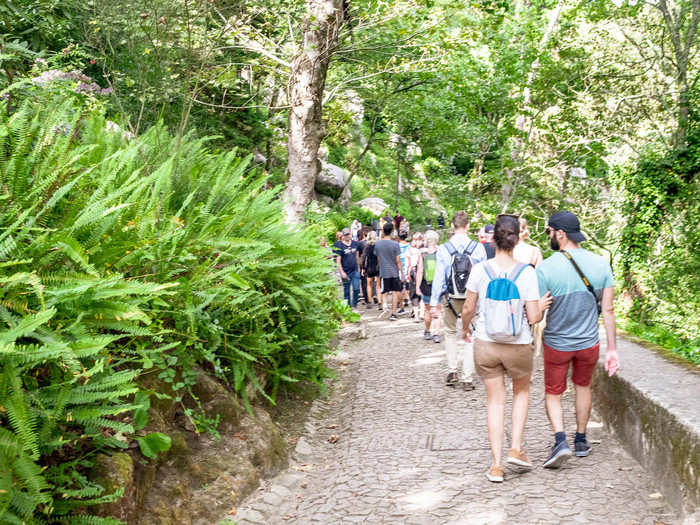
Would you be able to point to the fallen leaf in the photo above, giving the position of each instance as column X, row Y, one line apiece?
column 332, row 438
column 240, row 436
column 303, row 484
column 232, row 512
column 656, row 495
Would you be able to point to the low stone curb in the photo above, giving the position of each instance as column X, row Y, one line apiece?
column 652, row 406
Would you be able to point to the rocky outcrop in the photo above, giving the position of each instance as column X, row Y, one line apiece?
column 200, row 478
column 331, row 182
column 373, row 204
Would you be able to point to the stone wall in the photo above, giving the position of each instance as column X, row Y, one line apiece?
column 652, row 405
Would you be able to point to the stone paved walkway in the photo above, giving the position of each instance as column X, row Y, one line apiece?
column 392, row 444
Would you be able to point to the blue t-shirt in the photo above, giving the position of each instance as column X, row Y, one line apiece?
column 572, row 321
column 347, row 253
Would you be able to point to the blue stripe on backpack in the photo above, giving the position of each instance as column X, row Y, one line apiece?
column 503, row 308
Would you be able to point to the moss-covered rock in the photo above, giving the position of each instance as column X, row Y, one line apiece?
column 114, row 472
column 199, row 478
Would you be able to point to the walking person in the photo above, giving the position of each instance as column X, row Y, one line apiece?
column 412, row 257
column 503, row 344
column 425, row 274
column 489, row 245
column 370, row 269
column 348, row 263
column 403, row 257
column 454, row 262
column 397, row 220
column 355, row 228
column 390, row 271
column 524, row 252
column 581, row 284
column 361, row 247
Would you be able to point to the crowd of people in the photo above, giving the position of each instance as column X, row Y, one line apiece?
column 500, row 290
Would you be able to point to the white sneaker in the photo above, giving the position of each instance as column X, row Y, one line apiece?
column 384, row 314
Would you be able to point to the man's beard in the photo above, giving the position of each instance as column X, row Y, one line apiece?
column 554, row 244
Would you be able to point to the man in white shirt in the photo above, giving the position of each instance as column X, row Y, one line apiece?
column 459, row 245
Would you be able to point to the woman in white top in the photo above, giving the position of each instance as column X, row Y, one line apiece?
column 494, row 359
column 524, row 252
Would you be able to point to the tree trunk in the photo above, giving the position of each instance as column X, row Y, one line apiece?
column 308, row 79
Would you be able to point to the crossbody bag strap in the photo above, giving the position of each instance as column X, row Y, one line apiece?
column 585, row 280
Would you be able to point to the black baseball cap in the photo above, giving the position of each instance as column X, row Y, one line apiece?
column 568, row 222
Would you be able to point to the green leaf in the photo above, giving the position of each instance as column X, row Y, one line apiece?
column 141, row 413
column 153, row 443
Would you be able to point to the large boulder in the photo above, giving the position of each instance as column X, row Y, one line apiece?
column 373, row 204
column 331, row 180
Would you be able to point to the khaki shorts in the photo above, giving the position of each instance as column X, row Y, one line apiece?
column 497, row 359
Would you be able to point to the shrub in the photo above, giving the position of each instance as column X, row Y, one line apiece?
column 123, row 257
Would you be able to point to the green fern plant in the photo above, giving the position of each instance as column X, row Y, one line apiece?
column 119, row 258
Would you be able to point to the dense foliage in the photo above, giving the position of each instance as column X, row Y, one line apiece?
column 146, row 248
column 129, row 256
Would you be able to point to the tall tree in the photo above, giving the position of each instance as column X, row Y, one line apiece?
column 320, row 30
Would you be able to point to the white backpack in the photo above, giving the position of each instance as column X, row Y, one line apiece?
column 503, row 308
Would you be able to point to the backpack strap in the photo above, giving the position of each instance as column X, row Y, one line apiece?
column 471, row 247
column 452, row 250
column 489, row 271
column 517, row 271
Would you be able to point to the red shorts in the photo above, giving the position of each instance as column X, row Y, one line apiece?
column 556, row 366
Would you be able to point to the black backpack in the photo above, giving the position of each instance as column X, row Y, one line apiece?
column 460, row 268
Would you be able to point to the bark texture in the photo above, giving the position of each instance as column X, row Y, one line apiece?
column 309, row 68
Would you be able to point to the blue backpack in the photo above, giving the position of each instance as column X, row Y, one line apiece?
column 503, row 308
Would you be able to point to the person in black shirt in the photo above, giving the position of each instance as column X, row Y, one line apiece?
column 489, row 246
column 361, row 247
column 348, row 261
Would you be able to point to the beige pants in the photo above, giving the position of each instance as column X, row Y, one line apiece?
column 450, row 321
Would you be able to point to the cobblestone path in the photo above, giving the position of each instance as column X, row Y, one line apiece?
column 392, row 444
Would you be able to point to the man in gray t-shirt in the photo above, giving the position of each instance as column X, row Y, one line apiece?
column 388, row 251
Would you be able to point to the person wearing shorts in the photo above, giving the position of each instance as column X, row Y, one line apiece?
column 390, row 270
column 571, row 335
column 370, row 269
column 494, row 360
column 425, row 288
